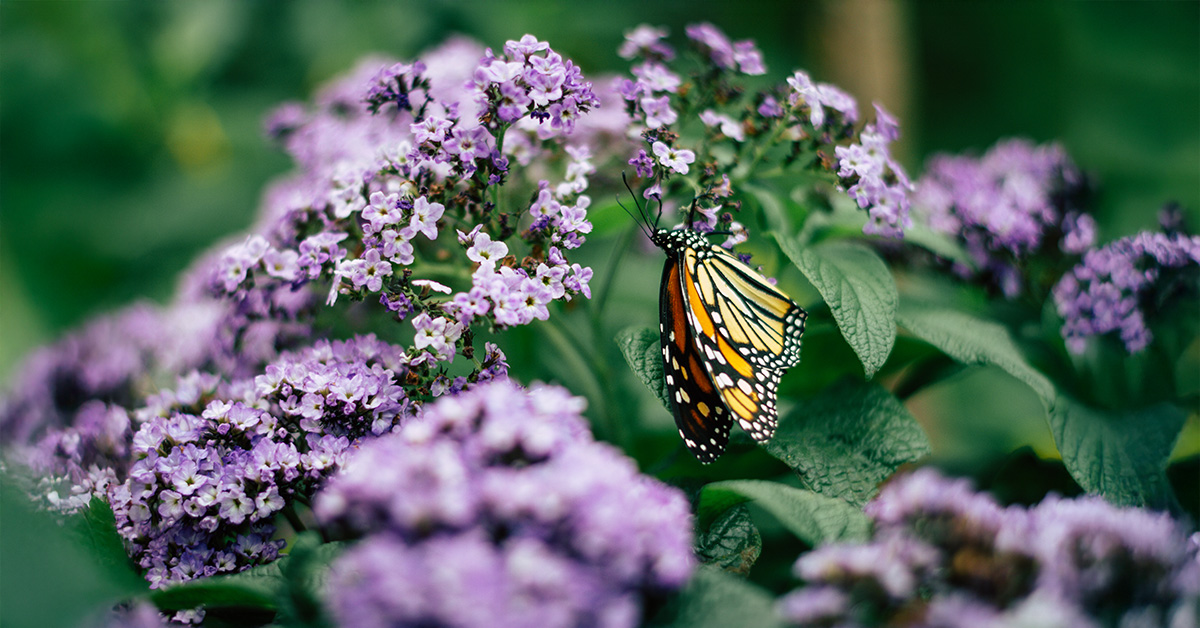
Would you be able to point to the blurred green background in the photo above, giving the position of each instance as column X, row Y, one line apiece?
column 130, row 132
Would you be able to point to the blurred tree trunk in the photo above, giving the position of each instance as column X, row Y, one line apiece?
column 866, row 46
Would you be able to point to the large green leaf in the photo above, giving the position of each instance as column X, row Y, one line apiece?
column 812, row 517
column 859, row 289
column 259, row 588
column 732, row 542
column 715, row 599
column 973, row 341
column 291, row 583
column 1120, row 455
column 96, row 530
column 306, row 571
column 848, row 440
column 643, row 351
column 55, row 575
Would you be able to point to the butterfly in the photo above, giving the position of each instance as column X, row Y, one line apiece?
column 727, row 336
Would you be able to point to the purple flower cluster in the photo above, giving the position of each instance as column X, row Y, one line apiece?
column 742, row 55
column 739, row 130
column 531, row 80
column 215, row 461
column 68, row 416
column 946, row 556
column 393, row 154
column 1108, row 290
column 874, row 180
column 1014, row 202
column 496, row 508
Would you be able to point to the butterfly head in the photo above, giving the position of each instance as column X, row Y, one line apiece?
column 674, row 241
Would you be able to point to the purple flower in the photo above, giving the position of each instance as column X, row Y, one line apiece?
column 1093, row 552
column 425, row 217
column 817, row 605
column 748, row 58
column 394, row 85
column 437, row 334
column 729, row 127
column 656, row 77
column 206, row 472
column 676, row 159
column 658, row 111
column 645, row 40
column 770, row 108
column 642, row 163
column 1106, row 291
column 873, row 179
column 711, row 40
column 965, row 561
column 483, row 250
column 469, row 144
column 1005, row 207
column 501, row 492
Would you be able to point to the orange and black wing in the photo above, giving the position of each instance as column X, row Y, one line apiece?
column 747, row 331
column 700, row 412
column 757, row 319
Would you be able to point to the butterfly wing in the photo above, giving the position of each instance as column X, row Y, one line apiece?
column 757, row 319
column 700, row 413
column 747, row 330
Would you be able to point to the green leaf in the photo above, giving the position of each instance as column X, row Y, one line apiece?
column 257, row 587
column 55, row 575
column 813, row 518
column 642, row 348
column 306, row 571
column 973, row 341
column 732, row 542
column 715, row 599
column 856, row 284
column 291, row 585
column 848, row 440
column 1119, row 455
column 96, row 529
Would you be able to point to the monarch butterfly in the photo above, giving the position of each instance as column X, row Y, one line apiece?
column 727, row 335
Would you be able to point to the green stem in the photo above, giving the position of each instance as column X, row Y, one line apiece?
column 500, row 151
column 289, row 512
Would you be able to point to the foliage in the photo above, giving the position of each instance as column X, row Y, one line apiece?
column 321, row 428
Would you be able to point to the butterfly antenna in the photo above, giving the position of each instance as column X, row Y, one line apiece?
column 643, row 222
column 691, row 219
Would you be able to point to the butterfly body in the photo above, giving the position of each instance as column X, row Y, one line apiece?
column 727, row 337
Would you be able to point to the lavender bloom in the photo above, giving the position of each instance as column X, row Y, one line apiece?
column 500, row 492
column 646, row 41
column 819, row 123
column 472, row 582
column 1014, row 202
column 946, row 556
column 873, row 179
column 68, row 417
column 395, row 85
column 1107, row 290
column 219, row 460
column 725, row 54
column 814, row 606
column 392, row 153
column 1113, row 561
